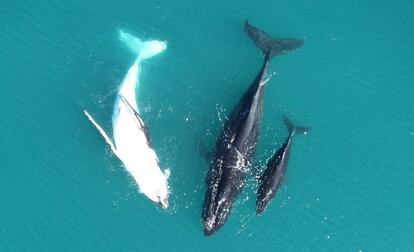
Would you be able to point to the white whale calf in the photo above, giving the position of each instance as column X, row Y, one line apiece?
column 131, row 140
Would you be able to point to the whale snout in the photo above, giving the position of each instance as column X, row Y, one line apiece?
column 216, row 216
column 208, row 231
column 261, row 206
column 164, row 203
column 214, row 223
column 162, row 196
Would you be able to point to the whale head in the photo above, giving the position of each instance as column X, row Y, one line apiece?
column 145, row 170
column 162, row 195
column 163, row 202
column 157, row 191
column 155, row 185
column 215, row 218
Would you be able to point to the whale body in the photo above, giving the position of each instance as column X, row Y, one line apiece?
column 272, row 177
column 237, row 142
column 131, row 142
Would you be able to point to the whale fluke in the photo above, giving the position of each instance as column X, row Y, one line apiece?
column 271, row 46
column 294, row 129
column 145, row 49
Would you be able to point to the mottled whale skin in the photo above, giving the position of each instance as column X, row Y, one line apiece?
column 237, row 142
column 131, row 143
column 276, row 168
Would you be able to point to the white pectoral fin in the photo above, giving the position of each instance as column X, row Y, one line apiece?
column 103, row 133
column 134, row 112
column 137, row 118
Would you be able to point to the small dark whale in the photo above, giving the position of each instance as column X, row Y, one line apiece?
column 237, row 142
column 272, row 178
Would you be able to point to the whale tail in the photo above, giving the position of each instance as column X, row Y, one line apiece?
column 144, row 49
column 271, row 46
column 294, row 129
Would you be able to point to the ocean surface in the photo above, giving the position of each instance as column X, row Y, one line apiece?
column 350, row 181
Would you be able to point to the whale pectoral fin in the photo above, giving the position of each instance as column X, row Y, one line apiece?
column 138, row 119
column 103, row 133
column 148, row 137
column 133, row 111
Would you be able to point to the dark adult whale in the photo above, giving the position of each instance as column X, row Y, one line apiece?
column 272, row 178
column 237, row 141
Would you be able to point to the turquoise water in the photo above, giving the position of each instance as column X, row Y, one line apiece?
column 349, row 185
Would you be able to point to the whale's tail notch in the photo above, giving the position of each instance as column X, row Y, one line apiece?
column 294, row 129
column 271, row 46
column 144, row 49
